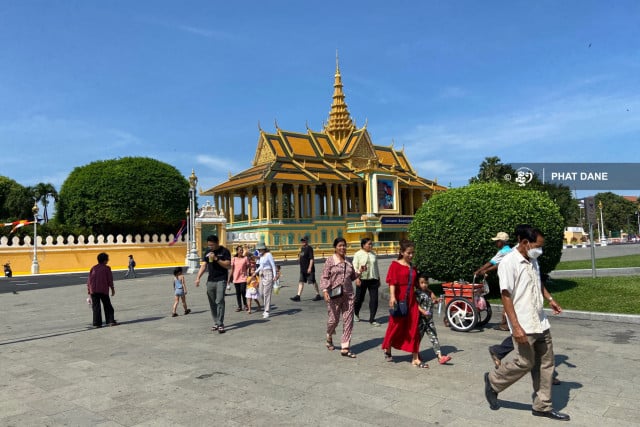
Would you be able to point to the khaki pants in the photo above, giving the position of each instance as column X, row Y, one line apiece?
column 536, row 357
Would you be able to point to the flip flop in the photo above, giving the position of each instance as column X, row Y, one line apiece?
column 421, row 365
column 444, row 359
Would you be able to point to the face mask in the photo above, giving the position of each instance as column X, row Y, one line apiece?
column 534, row 253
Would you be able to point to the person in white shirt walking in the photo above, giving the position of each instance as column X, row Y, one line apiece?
column 369, row 280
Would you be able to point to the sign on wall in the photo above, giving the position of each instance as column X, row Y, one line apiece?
column 385, row 194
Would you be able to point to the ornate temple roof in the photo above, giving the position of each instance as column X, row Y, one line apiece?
column 340, row 152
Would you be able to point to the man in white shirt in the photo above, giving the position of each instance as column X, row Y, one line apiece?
column 523, row 300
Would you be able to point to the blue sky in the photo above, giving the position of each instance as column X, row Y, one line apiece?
column 188, row 82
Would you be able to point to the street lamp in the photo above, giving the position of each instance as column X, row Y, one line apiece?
column 35, row 268
column 188, row 219
column 602, row 222
column 193, row 255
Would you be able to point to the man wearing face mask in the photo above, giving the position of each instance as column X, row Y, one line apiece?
column 523, row 297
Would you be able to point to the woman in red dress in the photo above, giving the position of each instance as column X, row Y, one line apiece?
column 402, row 332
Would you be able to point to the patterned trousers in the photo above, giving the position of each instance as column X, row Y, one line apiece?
column 343, row 305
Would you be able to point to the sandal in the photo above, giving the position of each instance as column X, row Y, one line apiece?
column 345, row 352
column 422, row 365
column 444, row 359
column 387, row 356
column 329, row 344
column 214, row 328
column 238, row 310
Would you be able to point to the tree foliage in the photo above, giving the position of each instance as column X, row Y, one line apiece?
column 618, row 213
column 15, row 200
column 453, row 230
column 131, row 195
column 42, row 193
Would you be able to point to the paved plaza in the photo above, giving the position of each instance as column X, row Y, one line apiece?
column 157, row 370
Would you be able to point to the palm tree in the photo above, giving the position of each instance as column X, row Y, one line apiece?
column 42, row 193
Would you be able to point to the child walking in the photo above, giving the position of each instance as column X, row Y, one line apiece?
column 180, row 291
column 426, row 302
column 252, row 289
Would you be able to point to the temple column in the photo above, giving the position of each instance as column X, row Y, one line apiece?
column 361, row 206
column 249, row 204
column 230, row 198
column 218, row 203
column 280, row 201
column 344, row 200
column 242, row 209
column 260, row 204
column 312, row 194
column 305, row 205
column 411, row 208
column 336, row 200
column 329, row 200
column 268, row 201
column 296, row 203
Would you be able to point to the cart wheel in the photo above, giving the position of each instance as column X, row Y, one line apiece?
column 484, row 315
column 462, row 315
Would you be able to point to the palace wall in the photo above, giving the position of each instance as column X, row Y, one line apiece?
column 57, row 255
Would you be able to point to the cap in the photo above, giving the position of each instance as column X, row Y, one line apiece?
column 261, row 247
column 304, row 239
column 501, row 236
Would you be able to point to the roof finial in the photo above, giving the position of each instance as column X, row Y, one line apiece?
column 337, row 65
column 259, row 128
column 276, row 122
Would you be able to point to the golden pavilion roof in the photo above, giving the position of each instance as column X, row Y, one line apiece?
column 339, row 153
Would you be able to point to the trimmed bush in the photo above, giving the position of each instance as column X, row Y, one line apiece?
column 453, row 230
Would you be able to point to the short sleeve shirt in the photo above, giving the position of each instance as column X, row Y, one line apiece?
column 217, row 272
column 521, row 278
column 306, row 255
column 501, row 253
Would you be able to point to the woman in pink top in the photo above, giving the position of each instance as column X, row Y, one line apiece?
column 238, row 276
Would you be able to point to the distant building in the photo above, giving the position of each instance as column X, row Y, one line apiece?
column 322, row 184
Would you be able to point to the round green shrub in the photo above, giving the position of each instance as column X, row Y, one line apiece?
column 452, row 231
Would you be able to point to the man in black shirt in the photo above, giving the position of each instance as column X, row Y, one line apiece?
column 217, row 260
column 307, row 270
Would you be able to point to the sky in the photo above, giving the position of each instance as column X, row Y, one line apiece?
column 190, row 82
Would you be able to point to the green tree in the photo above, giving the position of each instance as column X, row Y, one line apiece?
column 493, row 170
column 131, row 195
column 452, row 230
column 618, row 213
column 42, row 193
column 15, row 200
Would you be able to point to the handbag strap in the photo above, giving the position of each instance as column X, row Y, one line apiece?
column 406, row 297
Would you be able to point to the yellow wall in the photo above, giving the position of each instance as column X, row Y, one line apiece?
column 73, row 259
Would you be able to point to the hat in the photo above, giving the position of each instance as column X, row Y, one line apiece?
column 501, row 236
column 304, row 239
column 261, row 247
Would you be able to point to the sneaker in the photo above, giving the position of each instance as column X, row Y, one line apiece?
column 296, row 298
column 374, row 323
column 265, row 315
column 356, row 318
column 317, row 298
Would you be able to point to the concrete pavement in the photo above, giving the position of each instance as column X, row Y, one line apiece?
column 154, row 370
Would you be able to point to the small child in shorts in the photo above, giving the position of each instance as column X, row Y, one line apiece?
column 180, row 291
column 253, row 283
column 427, row 301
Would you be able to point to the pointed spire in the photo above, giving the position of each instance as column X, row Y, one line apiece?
column 340, row 124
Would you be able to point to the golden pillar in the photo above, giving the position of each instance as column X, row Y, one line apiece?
column 336, row 200
column 280, row 201
column 260, row 204
column 230, row 201
column 296, row 202
column 411, row 195
column 344, row 199
column 249, row 204
column 329, row 200
column 305, row 205
column 267, row 201
column 361, row 205
column 312, row 194
column 242, row 209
